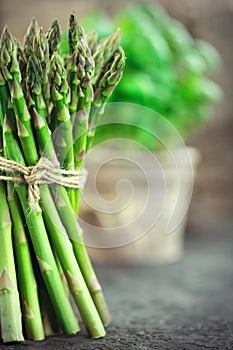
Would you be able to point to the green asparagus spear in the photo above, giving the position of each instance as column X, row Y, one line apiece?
column 10, row 312
column 26, row 278
column 104, row 52
column 41, row 51
column 34, row 220
column 54, row 37
column 105, row 85
column 41, row 244
column 29, row 38
column 59, row 96
column 92, row 40
column 81, row 70
column 69, row 220
column 56, row 230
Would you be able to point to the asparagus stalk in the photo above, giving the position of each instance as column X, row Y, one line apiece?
column 9, row 62
column 62, row 274
column 67, row 215
column 75, row 234
column 41, row 50
column 75, row 280
column 75, row 31
column 54, row 37
column 29, row 38
column 81, row 71
column 69, row 220
column 84, row 75
column 50, row 321
column 84, row 72
column 80, row 65
column 56, row 230
column 41, row 244
column 104, row 87
column 59, row 96
column 10, row 312
column 81, row 297
column 4, row 94
column 104, row 52
column 27, row 283
column 92, row 40
column 109, row 64
column 37, row 109
column 63, row 134
column 22, row 60
column 26, row 278
column 28, row 287
column 34, row 217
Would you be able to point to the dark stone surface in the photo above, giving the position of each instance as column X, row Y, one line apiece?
column 187, row 305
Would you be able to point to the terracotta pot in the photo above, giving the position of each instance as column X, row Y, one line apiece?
column 140, row 220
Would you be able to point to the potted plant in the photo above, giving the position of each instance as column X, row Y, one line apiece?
column 165, row 93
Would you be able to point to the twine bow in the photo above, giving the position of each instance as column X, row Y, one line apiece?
column 43, row 173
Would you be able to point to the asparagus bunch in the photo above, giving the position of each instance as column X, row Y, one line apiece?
column 46, row 103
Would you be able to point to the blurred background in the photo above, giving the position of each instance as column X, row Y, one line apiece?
column 211, row 20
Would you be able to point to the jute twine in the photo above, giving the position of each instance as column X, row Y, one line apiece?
column 43, row 173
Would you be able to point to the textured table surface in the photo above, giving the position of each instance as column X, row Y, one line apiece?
column 187, row 305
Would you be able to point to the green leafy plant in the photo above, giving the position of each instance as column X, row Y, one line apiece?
column 167, row 70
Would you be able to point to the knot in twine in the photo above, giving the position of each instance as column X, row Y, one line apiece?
column 43, row 173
